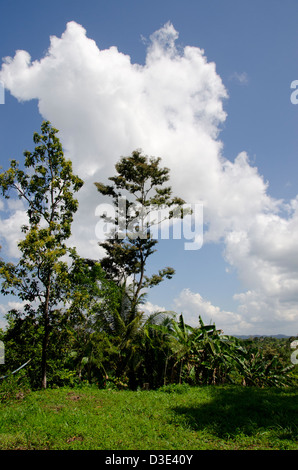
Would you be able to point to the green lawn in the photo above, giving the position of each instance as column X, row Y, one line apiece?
column 198, row 418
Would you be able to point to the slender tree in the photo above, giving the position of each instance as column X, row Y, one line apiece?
column 140, row 200
column 47, row 186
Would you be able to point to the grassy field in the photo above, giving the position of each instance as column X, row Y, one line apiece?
column 178, row 418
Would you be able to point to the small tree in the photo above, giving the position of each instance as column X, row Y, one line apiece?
column 140, row 201
column 94, row 299
column 137, row 192
column 46, row 186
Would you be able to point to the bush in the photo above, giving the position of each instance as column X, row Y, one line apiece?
column 14, row 387
column 116, row 383
column 62, row 378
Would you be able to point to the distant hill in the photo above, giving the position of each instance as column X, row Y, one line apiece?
column 262, row 336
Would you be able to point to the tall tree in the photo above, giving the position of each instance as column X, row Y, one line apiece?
column 47, row 186
column 139, row 196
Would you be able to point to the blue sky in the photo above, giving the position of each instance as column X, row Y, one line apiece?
column 245, row 276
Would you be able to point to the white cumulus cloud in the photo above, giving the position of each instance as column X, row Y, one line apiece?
column 193, row 305
column 173, row 107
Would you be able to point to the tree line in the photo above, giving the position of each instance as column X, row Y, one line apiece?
column 82, row 319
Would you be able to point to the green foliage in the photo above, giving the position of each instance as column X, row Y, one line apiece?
column 116, row 383
column 23, row 342
column 136, row 189
column 259, row 366
column 47, row 186
column 175, row 352
column 14, row 387
column 82, row 320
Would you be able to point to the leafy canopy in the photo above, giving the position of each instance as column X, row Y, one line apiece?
column 137, row 191
column 46, row 185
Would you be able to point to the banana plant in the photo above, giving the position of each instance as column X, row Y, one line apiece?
column 215, row 353
column 257, row 370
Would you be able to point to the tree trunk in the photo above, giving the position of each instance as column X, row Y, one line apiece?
column 46, row 336
column 165, row 372
column 180, row 373
column 44, row 358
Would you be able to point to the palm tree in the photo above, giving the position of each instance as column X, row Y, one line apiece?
column 157, row 347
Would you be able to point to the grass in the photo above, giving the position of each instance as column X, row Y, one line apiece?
column 176, row 418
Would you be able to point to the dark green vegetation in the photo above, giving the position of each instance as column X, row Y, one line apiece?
column 82, row 320
column 176, row 417
column 46, row 186
column 154, row 381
